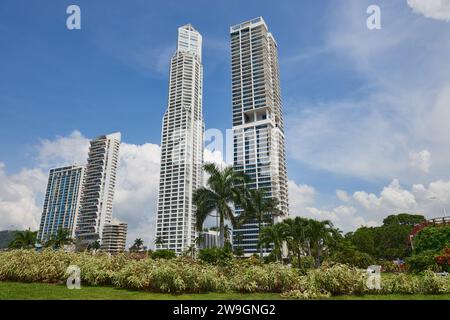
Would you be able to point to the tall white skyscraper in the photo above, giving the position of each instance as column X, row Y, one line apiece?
column 181, row 144
column 258, row 130
column 62, row 201
column 98, row 189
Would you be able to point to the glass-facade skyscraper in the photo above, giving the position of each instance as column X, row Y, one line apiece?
column 258, row 128
column 61, row 202
column 181, row 145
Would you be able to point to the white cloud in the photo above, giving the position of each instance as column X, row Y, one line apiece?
column 63, row 150
column 137, row 189
column 19, row 198
column 435, row 9
column 421, row 160
column 300, row 196
column 342, row 195
column 302, row 202
column 390, row 123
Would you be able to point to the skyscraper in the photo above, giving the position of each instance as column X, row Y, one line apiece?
column 62, row 201
column 98, row 189
column 181, row 144
column 258, row 130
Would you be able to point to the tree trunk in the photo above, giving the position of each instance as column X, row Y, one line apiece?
column 222, row 232
column 259, row 237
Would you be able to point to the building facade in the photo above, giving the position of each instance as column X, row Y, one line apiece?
column 209, row 239
column 114, row 237
column 258, row 128
column 98, row 189
column 181, row 145
column 61, row 202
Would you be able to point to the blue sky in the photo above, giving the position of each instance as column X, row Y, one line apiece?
column 364, row 109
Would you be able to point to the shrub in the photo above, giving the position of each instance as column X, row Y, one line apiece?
column 163, row 254
column 338, row 280
column 400, row 284
column 431, row 283
column 310, row 294
column 220, row 256
column 432, row 238
column 425, row 260
column 443, row 260
column 272, row 277
column 305, row 264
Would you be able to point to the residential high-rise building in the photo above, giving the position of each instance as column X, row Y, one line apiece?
column 98, row 189
column 258, row 130
column 181, row 144
column 62, row 201
column 114, row 237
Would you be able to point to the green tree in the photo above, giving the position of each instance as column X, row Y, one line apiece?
column 224, row 187
column 273, row 236
column 404, row 219
column 259, row 207
column 295, row 232
column 137, row 245
column 163, row 254
column 23, row 240
column 434, row 238
column 94, row 245
column 321, row 235
column 159, row 241
column 60, row 239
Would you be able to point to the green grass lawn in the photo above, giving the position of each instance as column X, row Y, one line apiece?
column 44, row 291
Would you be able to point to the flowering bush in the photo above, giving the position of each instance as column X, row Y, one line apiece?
column 431, row 283
column 183, row 275
column 338, row 280
column 400, row 284
column 443, row 260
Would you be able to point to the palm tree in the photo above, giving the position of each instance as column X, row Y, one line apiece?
column 94, row 245
column 274, row 236
column 60, row 239
column 199, row 240
column 296, row 232
column 137, row 245
column 159, row 240
column 320, row 235
column 224, row 187
column 23, row 240
column 260, row 208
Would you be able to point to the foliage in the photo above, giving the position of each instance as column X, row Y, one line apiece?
column 443, row 260
column 346, row 253
column 273, row 237
column 224, row 187
column 257, row 206
column 137, row 246
column 182, row 275
column 219, row 256
column 431, row 283
column 272, row 277
column 405, row 219
column 163, row 254
column 23, row 240
column 423, row 261
column 308, row 294
column 303, row 264
column 338, row 279
column 389, row 241
column 400, row 284
column 60, row 239
column 432, row 238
